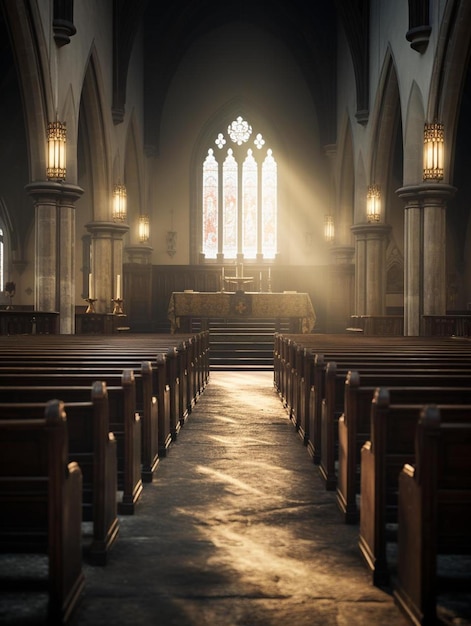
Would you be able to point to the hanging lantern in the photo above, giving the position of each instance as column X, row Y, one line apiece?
column 56, row 153
column 143, row 228
column 119, row 203
column 434, row 136
column 329, row 228
column 373, row 204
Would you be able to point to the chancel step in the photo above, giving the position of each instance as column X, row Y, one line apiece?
column 243, row 344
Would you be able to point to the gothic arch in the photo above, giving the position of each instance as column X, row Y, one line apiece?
column 449, row 73
column 346, row 190
column 24, row 22
column 93, row 146
column 133, row 175
column 386, row 144
column 413, row 137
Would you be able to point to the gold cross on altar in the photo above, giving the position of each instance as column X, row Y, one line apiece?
column 240, row 307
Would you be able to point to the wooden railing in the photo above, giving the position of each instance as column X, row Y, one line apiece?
column 28, row 322
column 447, row 325
column 385, row 325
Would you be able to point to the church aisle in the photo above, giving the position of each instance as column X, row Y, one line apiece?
column 236, row 529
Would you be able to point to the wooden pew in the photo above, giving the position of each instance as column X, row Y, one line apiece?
column 143, row 347
column 301, row 385
column 401, row 376
column 354, row 429
column 125, row 421
column 434, row 515
column 93, row 447
column 169, row 374
column 41, row 504
column 146, row 401
column 391, row 446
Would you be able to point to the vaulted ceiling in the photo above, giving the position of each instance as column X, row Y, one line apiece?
column 307, row 29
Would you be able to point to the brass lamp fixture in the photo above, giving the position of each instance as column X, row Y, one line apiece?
column 434, row 136
column 144, row 228
column 119, row 203
column 56, row 152
column 373, row 203
column 329, row 228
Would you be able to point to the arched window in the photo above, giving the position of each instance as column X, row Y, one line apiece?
column 239, row 204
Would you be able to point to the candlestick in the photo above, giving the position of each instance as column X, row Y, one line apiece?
column 118, row 306
column 91, row 305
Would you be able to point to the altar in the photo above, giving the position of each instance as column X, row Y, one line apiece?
column 236, row 305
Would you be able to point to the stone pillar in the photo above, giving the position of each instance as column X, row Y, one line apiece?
column 340, row 289
column 139, row 254
column 55, row 249
column 425, row 252
column 370, row 268
column 106, row 251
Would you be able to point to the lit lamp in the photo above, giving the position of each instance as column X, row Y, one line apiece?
column 373, row 203
column 119, row 203
column 329, row 228
column 56, row 153
column 143, row 228
column 434, row 135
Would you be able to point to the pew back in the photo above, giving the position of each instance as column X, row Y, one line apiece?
column 392, row 445
column 434, row 513
column 93, row 447
column 40, row 497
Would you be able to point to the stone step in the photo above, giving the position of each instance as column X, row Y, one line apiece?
column 241, row 344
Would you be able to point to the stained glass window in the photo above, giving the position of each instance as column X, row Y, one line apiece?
column 230, row 187
column 210, row 205
column 239, row 200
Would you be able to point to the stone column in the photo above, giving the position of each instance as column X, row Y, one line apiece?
column 339, row 289
column 55, row 249
column 425, row 252
column 370, row 268
column 106, row 262
column 139, row 254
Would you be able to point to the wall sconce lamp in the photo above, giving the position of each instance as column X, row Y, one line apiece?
column 434, row 136
column 373, row 203
column 56, row 153
column 144, row 228
column 119, row 203
column 171, row 239
column 329, row 228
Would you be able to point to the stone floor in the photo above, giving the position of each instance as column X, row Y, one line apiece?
column 235, row 530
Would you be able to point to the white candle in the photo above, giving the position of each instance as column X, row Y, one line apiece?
column 118, row 287
column 90, row 286
column 269, row 272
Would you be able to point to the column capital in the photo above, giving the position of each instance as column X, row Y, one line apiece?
column 108, row 230
column 53, row 191
column 139, row 254
column 373, row 230
column 425, row 192
column 342, row 254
